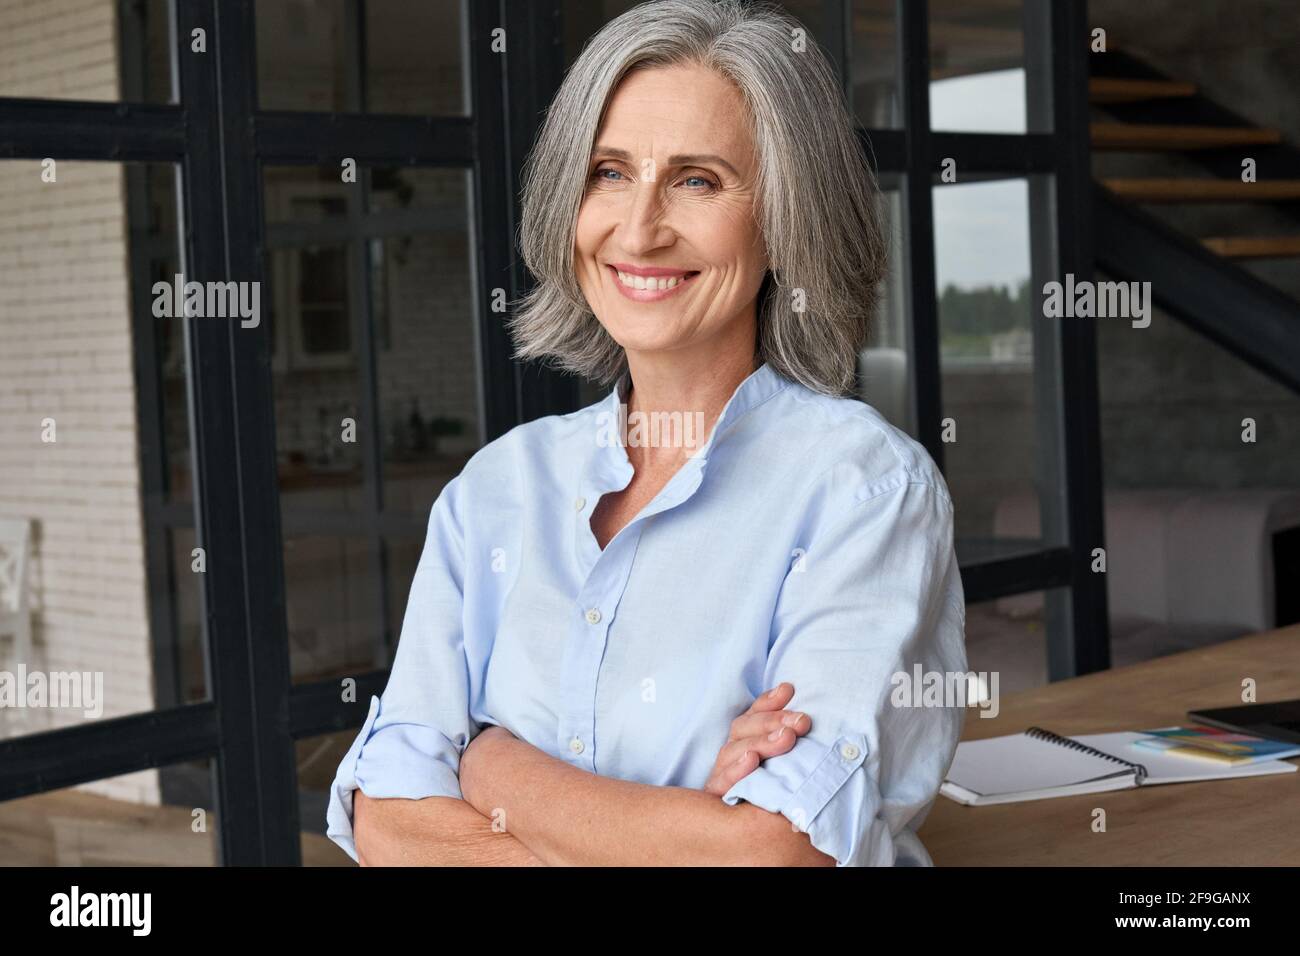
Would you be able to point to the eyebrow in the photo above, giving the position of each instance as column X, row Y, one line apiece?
column 680, row 159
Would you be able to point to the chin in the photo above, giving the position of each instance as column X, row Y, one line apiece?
column 643, row 339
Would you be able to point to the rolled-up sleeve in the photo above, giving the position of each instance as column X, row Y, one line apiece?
column 413, row 736
column 875, row 594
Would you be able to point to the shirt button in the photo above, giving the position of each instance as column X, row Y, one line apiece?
column 593, row 616
column 576, row 745
column 849, row 752
column 579, row 503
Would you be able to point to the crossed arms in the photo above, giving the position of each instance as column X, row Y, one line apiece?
column 522, row 807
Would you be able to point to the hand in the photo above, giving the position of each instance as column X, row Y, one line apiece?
column 751, row 740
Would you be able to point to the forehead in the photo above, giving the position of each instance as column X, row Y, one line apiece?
column 673, row 109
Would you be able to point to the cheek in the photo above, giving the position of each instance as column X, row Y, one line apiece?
column 598, row 215
column 587, row 226
column 581, row 235
column 584, row 251
column 733, row 239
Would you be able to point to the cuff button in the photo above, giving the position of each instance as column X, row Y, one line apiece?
column 849, row 752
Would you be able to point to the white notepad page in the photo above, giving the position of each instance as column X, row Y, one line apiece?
column 1018, row 763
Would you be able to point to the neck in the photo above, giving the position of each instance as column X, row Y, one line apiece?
column 686, row 381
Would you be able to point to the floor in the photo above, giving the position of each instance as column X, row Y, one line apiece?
column 72, row 828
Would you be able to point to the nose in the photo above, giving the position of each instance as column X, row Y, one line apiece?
column 644, row 226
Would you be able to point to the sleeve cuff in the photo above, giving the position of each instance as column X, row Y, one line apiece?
column 399, row 760
column 803, row 785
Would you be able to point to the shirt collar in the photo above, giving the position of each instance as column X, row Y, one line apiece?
column 760, row 385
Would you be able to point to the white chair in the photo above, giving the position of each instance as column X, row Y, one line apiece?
column 15, row 611
column 1185, row 566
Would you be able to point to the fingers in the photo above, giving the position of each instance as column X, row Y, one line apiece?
column 769, row 743
column 760, row 725
column 741, row 757
column 724, row 776
column 774, row 699
column 764, row 730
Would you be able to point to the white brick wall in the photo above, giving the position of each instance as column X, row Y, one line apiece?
column 65, row 353
column 58, row 48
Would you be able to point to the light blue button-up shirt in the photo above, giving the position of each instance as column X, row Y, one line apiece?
column 807, row 540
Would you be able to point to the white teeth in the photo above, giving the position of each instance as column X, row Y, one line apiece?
column 643, row 282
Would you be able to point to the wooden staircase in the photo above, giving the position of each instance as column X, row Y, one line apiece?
column 1254, row 247
column 1162, row 136
column 1159, row 114
column 1203, row 189
column 1119, row 89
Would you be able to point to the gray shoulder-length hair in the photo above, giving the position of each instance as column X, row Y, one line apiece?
column 817, row 199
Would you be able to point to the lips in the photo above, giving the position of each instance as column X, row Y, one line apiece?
column 660, row 284
column 658, row 272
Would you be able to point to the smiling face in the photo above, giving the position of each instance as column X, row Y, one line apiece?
column 670, row 203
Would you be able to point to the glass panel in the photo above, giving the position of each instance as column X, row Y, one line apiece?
column 816, row 18
column 321, row 294
column 977, row 66
column 303, row 56
column 155, row 257
column 873, row 72
column 315, row 275
column 92, row 428
column 982, row 265
column 161, row 817
column 307, row 194
column 311, row 274
column 1008, row 637
column 884, row 367
column 415, row 57
column 187, row 664
column 310, row 56
column 86, row 51
column 388, row 257
column 316, row 375
column 318, row 759
column 1202, row 490
column 583, row 20
column 402, row 557
column 427, row 353
column 332, row 602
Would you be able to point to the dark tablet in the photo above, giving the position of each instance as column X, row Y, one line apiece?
column 1279, row 721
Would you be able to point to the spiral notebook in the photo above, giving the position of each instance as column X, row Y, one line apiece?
column 1039, row 764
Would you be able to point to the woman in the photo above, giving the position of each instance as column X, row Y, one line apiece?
column 592, row 622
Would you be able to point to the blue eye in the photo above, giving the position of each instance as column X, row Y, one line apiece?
column 704, row 182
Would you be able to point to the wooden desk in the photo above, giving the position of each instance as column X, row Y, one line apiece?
column 1254, row 821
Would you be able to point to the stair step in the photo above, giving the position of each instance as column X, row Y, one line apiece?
column 1204, row 190
column 1155, row 136
column 1114, row 89
column 1254, row 247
